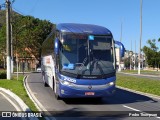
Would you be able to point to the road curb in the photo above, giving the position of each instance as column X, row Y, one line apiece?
column 35, row 100
column 31, row 96
column 141, row 93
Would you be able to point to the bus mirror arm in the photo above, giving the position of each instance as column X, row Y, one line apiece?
column 122, row 48
column 56, row 46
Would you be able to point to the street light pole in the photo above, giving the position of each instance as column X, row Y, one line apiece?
column 135, row 57
column 139, row 62
column 131, row 57
column 119, row 68
column 121, row 31
column 11, row 49
column 8, row 42
column 11, row 26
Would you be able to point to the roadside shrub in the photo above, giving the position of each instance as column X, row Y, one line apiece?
column 3, row 75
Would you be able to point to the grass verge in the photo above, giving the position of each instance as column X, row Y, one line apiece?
column 16, row 86
column 140, row 84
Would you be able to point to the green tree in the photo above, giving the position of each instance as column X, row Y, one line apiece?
column 127, row 62
column 2, row 44
column 30, row 33
column 152, row 54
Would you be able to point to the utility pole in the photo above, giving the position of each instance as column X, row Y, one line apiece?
column 121, row 31
column 11, row 49
column 11, row 26
column 8, row 36
column 139, row 61
column 119, row 68
column 131, row 57
column 135, row 57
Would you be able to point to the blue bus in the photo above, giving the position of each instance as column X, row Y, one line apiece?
column 78, row 60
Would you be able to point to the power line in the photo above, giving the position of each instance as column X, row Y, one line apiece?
column 19, row 12
column 2, row 6
column 34, row 6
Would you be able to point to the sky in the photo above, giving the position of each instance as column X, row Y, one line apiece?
column 107, row 13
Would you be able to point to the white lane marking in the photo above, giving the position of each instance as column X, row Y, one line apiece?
column 131, row 108
column 32, row 96
column 14, row 105
column 138, row 110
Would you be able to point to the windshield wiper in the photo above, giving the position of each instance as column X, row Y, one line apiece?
column 96, row 62
column 100, row 69
column 80, row 68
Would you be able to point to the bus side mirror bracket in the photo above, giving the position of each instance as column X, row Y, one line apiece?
column 56, row 46
column 122, row 48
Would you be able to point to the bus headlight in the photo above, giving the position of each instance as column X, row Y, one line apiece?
column 111, row 83
column 67, row 83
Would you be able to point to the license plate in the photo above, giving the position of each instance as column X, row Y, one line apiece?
column 89, row 93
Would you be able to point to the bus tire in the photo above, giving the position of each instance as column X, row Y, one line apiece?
column 57, row 96
column 45, row 84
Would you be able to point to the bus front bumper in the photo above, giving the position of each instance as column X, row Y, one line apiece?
column 68, row 92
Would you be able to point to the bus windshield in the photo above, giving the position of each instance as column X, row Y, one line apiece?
column 83, row 57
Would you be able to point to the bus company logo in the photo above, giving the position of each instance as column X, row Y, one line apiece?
column 70, row 80
column 90, row 87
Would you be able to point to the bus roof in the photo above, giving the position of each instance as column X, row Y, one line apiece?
column 83, row 28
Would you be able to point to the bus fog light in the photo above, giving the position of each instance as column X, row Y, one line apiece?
column 62, row 91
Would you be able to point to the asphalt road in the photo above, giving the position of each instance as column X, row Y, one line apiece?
column 7, row 107
column 123, row 105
